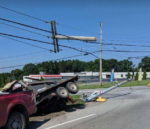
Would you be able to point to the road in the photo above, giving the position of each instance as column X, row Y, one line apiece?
column 125, row 109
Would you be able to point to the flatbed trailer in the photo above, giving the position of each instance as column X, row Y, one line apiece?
column 45, row 90
column 48, row 89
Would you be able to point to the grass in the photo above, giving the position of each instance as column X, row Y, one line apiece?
column 77, row 99
column 95, row 86
column 136, row 83
column 109, row 84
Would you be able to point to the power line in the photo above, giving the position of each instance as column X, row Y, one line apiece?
column 125, row 51
column 128, row 45
column 26, row 58
column 24, row 29
column 29, row 44
column 127, row 41
column 21, row 13
column 40, row 29
column 119, row 44
column 21, row 55
column 85, row 54
column 73, row 48
column 29, row 26
column 40, row 41
column 27, row 15
column 14, row 66
column 138, row 57
column 33, row 17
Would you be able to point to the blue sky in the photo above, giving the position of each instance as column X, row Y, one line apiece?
column 124, row 21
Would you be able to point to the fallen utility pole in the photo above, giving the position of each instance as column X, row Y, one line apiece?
column 96, row 94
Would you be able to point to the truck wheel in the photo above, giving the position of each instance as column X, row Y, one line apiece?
column 62, row 92
column 72, row 87
column 16, row 120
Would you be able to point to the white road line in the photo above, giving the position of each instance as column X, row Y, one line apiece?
column 67, row 122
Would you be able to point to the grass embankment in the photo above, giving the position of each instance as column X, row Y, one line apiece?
column 109, row 84
column 95, row 86
column 136, row 83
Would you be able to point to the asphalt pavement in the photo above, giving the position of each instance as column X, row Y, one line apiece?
column 126, row 108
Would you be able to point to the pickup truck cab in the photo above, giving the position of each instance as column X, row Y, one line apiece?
column 16, row 106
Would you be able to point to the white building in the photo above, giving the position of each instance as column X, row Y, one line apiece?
column 105, row 75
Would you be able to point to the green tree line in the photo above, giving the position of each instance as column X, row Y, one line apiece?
column 55, row 67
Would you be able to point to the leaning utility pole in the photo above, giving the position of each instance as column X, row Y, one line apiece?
column 100, row 61
column 54, row 33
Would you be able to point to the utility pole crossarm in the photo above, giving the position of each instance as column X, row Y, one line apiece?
column 75, row 38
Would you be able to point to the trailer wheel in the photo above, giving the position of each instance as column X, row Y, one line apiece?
column 62, row 92
column 16, row 120
column 72, row 87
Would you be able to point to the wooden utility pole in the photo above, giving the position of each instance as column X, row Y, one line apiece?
column 54, row 33
column 100, row 61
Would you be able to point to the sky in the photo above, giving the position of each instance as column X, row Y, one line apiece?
column 123, row 21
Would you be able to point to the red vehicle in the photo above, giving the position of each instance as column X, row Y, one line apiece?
column 18, row 100
column 15, row 108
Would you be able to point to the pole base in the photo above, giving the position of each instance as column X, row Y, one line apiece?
column 101, row 99
column 148, row 84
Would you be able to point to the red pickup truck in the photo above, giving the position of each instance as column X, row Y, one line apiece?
column 18, row 99
column 15, row 108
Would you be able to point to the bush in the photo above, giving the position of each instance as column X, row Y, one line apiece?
column 128, row 75
column 136, row 76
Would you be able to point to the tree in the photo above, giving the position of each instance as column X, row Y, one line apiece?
column 145, row 64
column 144, row 76
column 17, row 74
column 136, row 76
column 30, row 69
column 128, row 75
column 124, row 65
column 55, row 67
